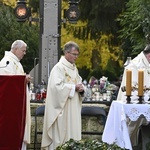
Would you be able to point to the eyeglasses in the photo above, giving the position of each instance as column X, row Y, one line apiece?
column 73, row 54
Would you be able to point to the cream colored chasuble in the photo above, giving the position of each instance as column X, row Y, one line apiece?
column 62, row 119
column 14, row 67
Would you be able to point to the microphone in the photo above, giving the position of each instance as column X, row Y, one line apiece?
column 7, row 62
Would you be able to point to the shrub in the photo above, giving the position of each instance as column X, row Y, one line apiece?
column 87, row 145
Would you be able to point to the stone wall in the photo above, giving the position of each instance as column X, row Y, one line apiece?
column 40, row 127
column 88, row 124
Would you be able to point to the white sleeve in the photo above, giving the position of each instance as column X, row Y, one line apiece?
column 72, row 91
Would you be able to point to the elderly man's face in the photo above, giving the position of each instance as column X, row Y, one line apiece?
column 20, row 52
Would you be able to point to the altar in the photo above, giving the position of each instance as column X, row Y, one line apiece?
column 116, row 130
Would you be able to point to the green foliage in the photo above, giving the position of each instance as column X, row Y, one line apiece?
column 35, row 5
column 95, row 31
column 101, row 15
column 97, row 73
column 96, row 34
column 97, row 56
column 135, row 23
column 87, row 145
column 12, row 30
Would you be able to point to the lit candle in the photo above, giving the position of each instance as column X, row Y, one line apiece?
column 140, row 82
column 128, row 82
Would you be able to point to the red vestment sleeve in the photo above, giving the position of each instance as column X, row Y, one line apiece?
column 12, row 111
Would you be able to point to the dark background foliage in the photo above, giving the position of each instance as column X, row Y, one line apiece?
column 127, row 20
column 12, row 30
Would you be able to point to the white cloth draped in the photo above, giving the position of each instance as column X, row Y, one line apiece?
column 116, row 129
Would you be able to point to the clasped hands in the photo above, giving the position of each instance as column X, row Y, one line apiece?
column 79, row 88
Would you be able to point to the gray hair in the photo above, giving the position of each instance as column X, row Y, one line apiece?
column 69, row 45
column 18, row 44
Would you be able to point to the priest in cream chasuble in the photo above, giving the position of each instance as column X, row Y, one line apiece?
column 62, row 119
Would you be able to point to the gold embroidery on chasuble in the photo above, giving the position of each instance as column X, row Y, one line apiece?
column 69, row 78
column 17, row 67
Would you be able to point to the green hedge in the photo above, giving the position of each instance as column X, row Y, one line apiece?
column 87, row 145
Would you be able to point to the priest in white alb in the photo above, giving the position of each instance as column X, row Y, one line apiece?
column 141, row 61
column 10, row 65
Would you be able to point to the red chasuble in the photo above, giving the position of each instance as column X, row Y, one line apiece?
column 12, row 111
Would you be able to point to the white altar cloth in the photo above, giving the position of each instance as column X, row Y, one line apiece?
column 116, row 130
